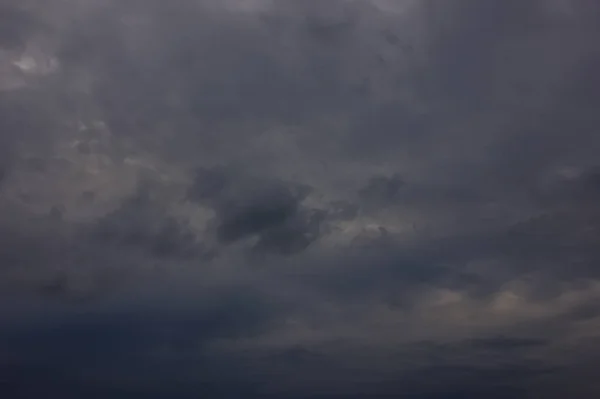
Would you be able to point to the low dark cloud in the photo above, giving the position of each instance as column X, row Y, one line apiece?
column 247, row 206
column 140, row 223
column 299, row 199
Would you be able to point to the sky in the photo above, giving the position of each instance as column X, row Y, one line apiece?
column 299, row 199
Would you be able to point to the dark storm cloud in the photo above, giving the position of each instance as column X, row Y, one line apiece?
column 247, row 206
column 294, row 236
column 140, row 223
column 269, row 207
column 428, row 173
column 135, row 341
column 61, row 260
column 55, row 266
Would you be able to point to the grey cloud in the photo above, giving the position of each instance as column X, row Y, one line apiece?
column 417, row 184
column 172, row 57
column 17, row 25
column 140, row 223
column 508, row 343
column 209, row 184
column 460, row 369
column 269, row 207
column 295, row 235
column 60, row 260
column 55, row 267
column 382, row 190
column 133, row 338
column 343, row 210
column 246, row 206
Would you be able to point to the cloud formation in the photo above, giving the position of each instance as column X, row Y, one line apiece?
column 322, row 199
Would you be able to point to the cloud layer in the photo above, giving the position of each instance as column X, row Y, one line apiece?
column 292, row 199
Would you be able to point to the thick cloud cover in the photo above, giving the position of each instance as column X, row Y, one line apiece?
column 299, row 199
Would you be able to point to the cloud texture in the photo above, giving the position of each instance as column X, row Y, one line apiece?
column 299, row 199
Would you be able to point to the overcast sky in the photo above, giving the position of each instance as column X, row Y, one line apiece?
column 299, row 199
